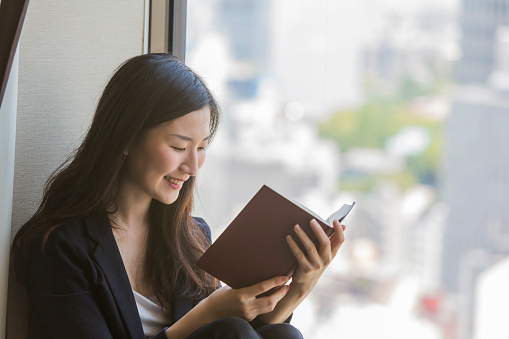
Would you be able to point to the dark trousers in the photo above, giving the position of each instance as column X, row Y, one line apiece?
column 236, row 328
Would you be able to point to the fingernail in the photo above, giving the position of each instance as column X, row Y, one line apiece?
column 297, row 228
column 283, row 280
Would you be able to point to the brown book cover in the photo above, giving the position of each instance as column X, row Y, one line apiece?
column 253, row 247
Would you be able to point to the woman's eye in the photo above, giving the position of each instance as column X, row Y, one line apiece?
column 183, row 149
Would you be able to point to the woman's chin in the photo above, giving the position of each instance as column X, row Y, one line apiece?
column 168, row 200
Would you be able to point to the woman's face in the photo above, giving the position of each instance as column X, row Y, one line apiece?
column 160, row 161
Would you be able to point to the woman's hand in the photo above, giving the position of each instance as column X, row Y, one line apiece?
column 242, row 302
column 228, row 302
column 315, row 260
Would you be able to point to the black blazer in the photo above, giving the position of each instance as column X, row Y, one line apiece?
column 79, row 288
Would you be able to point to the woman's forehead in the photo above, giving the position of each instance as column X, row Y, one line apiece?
column 194, row 125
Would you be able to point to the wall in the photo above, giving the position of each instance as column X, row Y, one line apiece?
column 7, row 138
column 68, row 49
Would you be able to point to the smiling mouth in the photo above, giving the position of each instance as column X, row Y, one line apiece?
column 174, row 181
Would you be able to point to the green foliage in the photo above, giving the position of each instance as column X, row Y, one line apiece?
column 373, row 123
column 366, row 183
column 368, row 126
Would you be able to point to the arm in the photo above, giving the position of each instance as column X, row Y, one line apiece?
column 312, row 264
column 228, row 302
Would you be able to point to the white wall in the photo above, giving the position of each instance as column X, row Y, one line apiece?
column 68, row 49
column 7, row 138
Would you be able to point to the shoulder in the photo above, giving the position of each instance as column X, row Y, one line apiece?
column 84, row 234
column 203, row 226
column 70, row 237
column 61, row 264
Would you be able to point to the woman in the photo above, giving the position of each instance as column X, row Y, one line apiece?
column 110, row 251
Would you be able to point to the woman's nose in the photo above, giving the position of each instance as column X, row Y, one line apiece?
column 190, row 165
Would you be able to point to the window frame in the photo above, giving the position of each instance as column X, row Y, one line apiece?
column 167, row 28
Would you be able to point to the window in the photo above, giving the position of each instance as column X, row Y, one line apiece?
column 376, row 102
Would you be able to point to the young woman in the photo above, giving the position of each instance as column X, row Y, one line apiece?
column 110, row 251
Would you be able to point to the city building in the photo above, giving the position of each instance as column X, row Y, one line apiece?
column 475, row 179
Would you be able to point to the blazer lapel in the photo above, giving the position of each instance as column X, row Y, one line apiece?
column 108, row 258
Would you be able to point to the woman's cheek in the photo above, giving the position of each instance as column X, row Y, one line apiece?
column 201, row 158
column 167, row 161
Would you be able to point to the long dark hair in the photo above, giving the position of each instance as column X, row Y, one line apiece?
column 144, row 92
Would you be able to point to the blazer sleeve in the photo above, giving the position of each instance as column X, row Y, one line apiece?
column 60, row 286
column 204, row 227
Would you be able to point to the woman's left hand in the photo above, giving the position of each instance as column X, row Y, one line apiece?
column 312, row 263
column 316, row 259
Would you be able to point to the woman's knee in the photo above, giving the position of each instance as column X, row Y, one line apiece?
column 234, row 328
column 233, row 322
column 279, row 331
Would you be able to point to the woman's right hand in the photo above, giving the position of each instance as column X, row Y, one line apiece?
column 242, row 302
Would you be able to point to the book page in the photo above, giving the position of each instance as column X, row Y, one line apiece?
column 340, row 214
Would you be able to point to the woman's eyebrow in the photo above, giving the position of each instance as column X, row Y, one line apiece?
column 186, row 138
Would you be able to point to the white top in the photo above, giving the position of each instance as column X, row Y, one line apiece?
column 153, row 317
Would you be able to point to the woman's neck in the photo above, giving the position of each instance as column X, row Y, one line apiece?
column 131, row 211
column 130, row 222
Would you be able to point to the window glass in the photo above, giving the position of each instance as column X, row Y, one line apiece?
column 400, row 106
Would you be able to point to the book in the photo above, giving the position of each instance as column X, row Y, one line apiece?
column 253, row 247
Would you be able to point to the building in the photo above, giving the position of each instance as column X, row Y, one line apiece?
column 479, row 22
column 475, row 179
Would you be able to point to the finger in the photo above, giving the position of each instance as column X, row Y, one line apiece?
column 276, row 295
column 324, row 244
column 280, row 293
column 338, row 239
column 309, row 246
column 334, row 234
column 267, row 304
column 297, row 252
column 265, row 286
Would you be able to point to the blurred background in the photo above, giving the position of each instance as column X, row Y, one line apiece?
column 401, row 106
